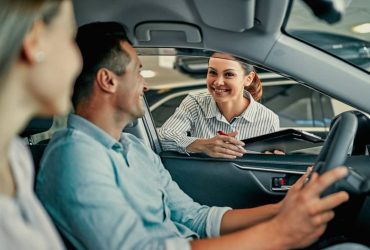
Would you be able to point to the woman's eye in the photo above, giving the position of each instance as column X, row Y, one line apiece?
column 229, row 74
column 211, row 72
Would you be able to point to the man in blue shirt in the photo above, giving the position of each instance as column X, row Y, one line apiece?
column 106, row 190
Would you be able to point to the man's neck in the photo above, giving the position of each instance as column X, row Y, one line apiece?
column 105, row 118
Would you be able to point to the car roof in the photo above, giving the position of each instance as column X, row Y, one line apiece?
column 196, row 24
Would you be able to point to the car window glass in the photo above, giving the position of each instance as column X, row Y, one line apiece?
column 297, row 106
column 347, row 38
column 163, row 111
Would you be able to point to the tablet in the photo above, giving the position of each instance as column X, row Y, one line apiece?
column 287, row 140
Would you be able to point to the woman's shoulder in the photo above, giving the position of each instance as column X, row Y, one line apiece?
column 200, row 97
column 20, row 155
column 21, row 159
column 263, row 110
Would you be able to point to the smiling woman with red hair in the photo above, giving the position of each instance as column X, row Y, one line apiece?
column 214, row 121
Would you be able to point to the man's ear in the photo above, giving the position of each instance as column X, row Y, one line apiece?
column 249, row 78
column 106, row 81
column 32, row 51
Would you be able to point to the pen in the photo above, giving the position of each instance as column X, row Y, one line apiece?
column 220, row 132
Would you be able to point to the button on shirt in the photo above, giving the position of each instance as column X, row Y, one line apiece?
column 199, row 117
column 109, row 194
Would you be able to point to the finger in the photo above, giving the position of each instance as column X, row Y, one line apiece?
column 322, row 182
column 228, row 151
column 217, row 153
column 300, row 182
column 221, row 137
column 309, row 171
column 235, row 148
column 331, row 201
column 233, row 134
column 221, row 155
column 222, row 141
column 314, row 176
column 322, row 218
column 234, row 141
column 267, row 153
column 279, row 152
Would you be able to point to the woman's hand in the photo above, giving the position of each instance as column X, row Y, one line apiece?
column 275, row 152
column 220, row 146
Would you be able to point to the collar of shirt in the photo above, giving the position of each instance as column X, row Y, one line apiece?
column 248, row 114
column 84, row 125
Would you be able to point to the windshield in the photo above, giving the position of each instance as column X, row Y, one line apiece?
column 348, row 38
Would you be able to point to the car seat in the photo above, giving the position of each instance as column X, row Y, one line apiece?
column 36, row 126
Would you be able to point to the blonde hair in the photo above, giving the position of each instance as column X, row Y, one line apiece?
column 16, row 18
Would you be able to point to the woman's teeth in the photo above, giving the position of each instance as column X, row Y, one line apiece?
column 220, row 90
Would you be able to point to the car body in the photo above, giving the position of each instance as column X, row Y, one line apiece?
column 257, row 32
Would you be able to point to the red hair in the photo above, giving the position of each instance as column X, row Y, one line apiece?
column 255, row 88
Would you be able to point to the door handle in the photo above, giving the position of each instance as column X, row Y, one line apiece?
column 283, row 188
column 281, row 184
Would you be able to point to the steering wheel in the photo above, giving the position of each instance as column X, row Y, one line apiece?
column 338, row 143
column 335, row 151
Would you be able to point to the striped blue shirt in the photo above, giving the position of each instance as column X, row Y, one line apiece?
column 199, row 117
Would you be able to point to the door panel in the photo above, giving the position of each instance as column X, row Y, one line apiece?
column 240, row 183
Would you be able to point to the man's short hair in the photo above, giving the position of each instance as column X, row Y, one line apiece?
column 100, row 46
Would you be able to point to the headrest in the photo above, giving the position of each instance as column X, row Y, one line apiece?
column 36, row 126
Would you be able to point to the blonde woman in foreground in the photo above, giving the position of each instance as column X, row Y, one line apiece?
column 38, row 64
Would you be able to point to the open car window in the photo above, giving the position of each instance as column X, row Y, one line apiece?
column 172, row 78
